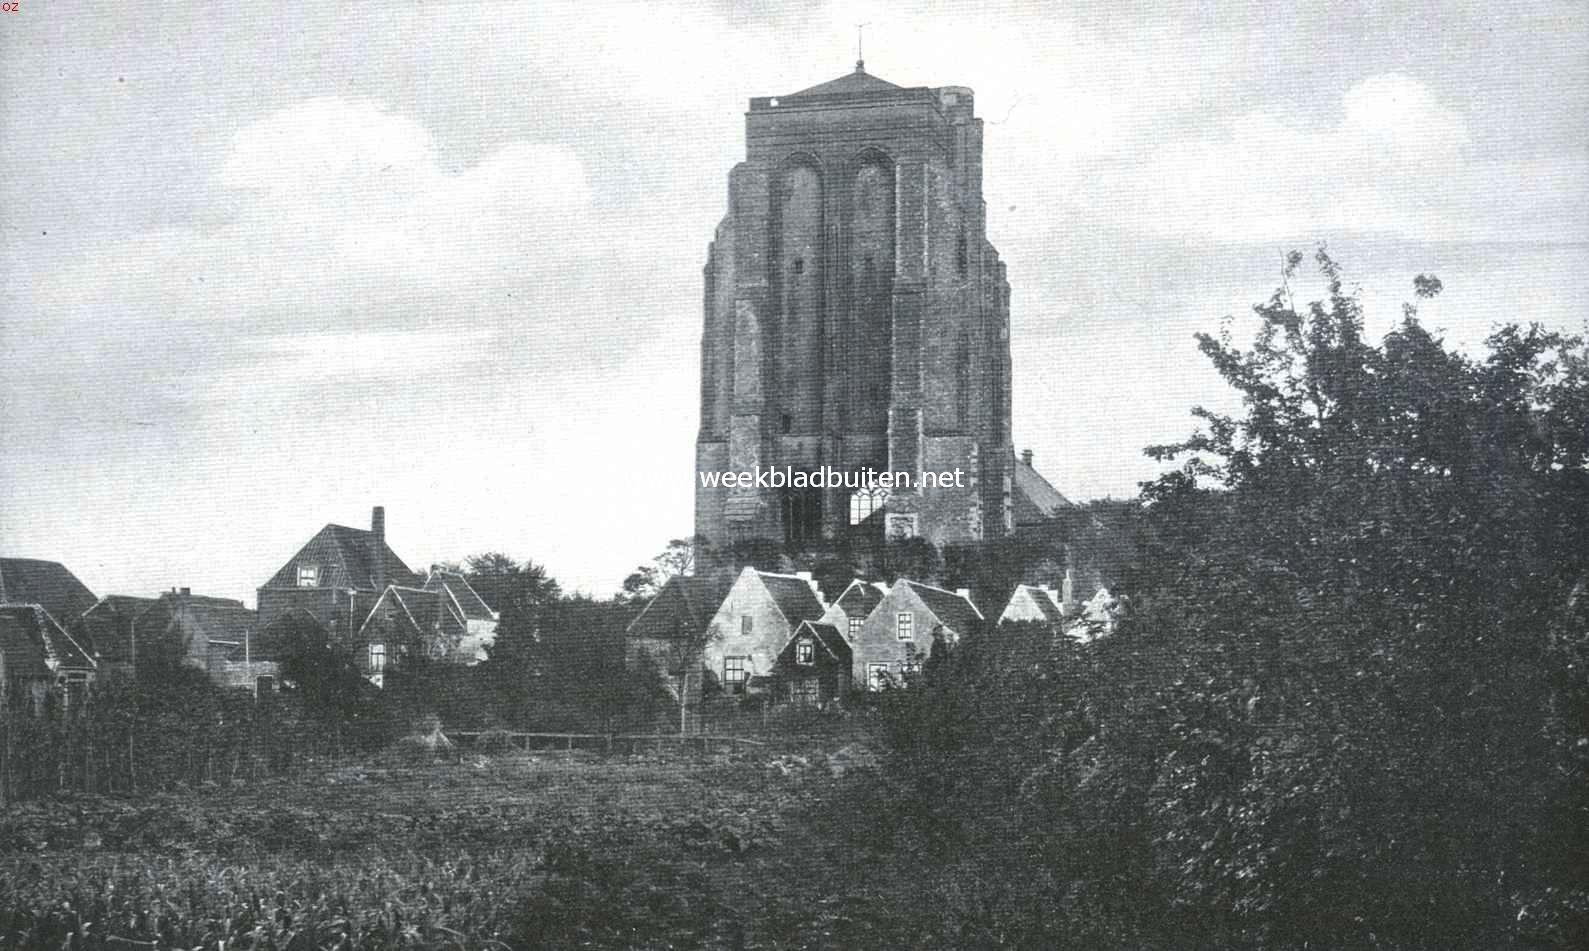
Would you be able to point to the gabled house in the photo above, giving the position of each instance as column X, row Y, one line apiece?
column 480, row 622
column 36, row 655
column 407, row 620
column 337, row 576
column 897, row 637
column 107, row 630
column 47, row 584
column 216, row 635
column 754, row 622
column 815, row 667
column 1033, row 603
column 1095, row 618
column 852, row 607
column 675, row 618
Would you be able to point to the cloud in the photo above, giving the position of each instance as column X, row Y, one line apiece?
column 1397, row 161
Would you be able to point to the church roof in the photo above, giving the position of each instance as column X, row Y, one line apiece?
column 852, row 83
column 1034, row 499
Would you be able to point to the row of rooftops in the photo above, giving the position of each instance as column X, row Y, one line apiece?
column 50, row 620
column 688, row 603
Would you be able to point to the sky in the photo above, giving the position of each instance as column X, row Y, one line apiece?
column 264, row 266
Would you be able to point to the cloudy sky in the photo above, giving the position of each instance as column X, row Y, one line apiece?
column 266, row 266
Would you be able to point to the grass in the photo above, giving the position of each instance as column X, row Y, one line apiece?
column 755, row 849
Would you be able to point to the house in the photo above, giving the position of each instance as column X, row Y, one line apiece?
column 672, row 623
column 405, row 621
column 107, row 630
column 337, row 577
column 216, row 635
column 897, row 637
column 1033, row 603
column 47, row 584
column 754, row 623
column 36, row 655
column 815, row 667
column 853, row 606
column 480, row 622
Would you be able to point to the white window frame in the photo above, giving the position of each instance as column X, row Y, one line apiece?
column 877, row 676
column 855, row 627
column 864, row 502
column 736, row 664
column 905, row 626
column 805, row 652
column 377, row 658
column 308, row 576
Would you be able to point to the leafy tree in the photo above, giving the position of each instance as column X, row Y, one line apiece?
column 645, row 581
column 1348, row 704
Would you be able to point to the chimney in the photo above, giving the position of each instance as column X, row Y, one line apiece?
column 1067, row 603
column 378, row 529
column 187, row 592
column 1026, row 457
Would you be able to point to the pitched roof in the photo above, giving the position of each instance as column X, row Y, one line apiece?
column 45, row 583
column 827, row 635
column 33, row 643
column 794, row 597
column 347, row 558
column 684, row 605
column 859, row 598
column 463, row 594
column 1033, row 498
column 1043, row 598
column 956, row 612
column 420, row 610
column 108, row 625
column 853, row 83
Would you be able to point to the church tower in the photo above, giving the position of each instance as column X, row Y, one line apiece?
column 856, row 317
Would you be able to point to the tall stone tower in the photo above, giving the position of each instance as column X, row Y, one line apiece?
column 856, row 317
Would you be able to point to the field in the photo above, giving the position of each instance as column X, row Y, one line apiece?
column 780, row 847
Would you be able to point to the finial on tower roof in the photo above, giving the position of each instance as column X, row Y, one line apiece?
column 860, row 57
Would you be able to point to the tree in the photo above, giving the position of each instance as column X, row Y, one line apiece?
column 520, row 593
column 645, row 581
column 1348, row 700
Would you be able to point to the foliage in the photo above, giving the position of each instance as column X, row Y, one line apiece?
column 1349, row 703
column 645, row 581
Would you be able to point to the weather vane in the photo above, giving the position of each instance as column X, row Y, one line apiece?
column 860, row 57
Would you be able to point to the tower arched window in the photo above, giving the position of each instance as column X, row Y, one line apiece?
column 962, row 255
column 866, row 501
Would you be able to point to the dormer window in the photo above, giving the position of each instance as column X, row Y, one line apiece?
column 805, row 652
column 308, row 576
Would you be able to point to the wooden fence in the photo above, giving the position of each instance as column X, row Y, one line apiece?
column 606, row 742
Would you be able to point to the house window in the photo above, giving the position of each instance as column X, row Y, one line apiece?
column 909, row 670
column 806, row 692
column 805, row 652
column 734, row 674
column 903, row 626
column 866, row 501
column 377, row 658
column 747, row 625
column 308, row 576
column 855, row 627
column 877, row 676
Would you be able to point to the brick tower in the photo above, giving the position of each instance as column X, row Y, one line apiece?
column 856, row 316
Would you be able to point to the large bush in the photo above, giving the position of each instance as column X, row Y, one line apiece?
column 1348, row 705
